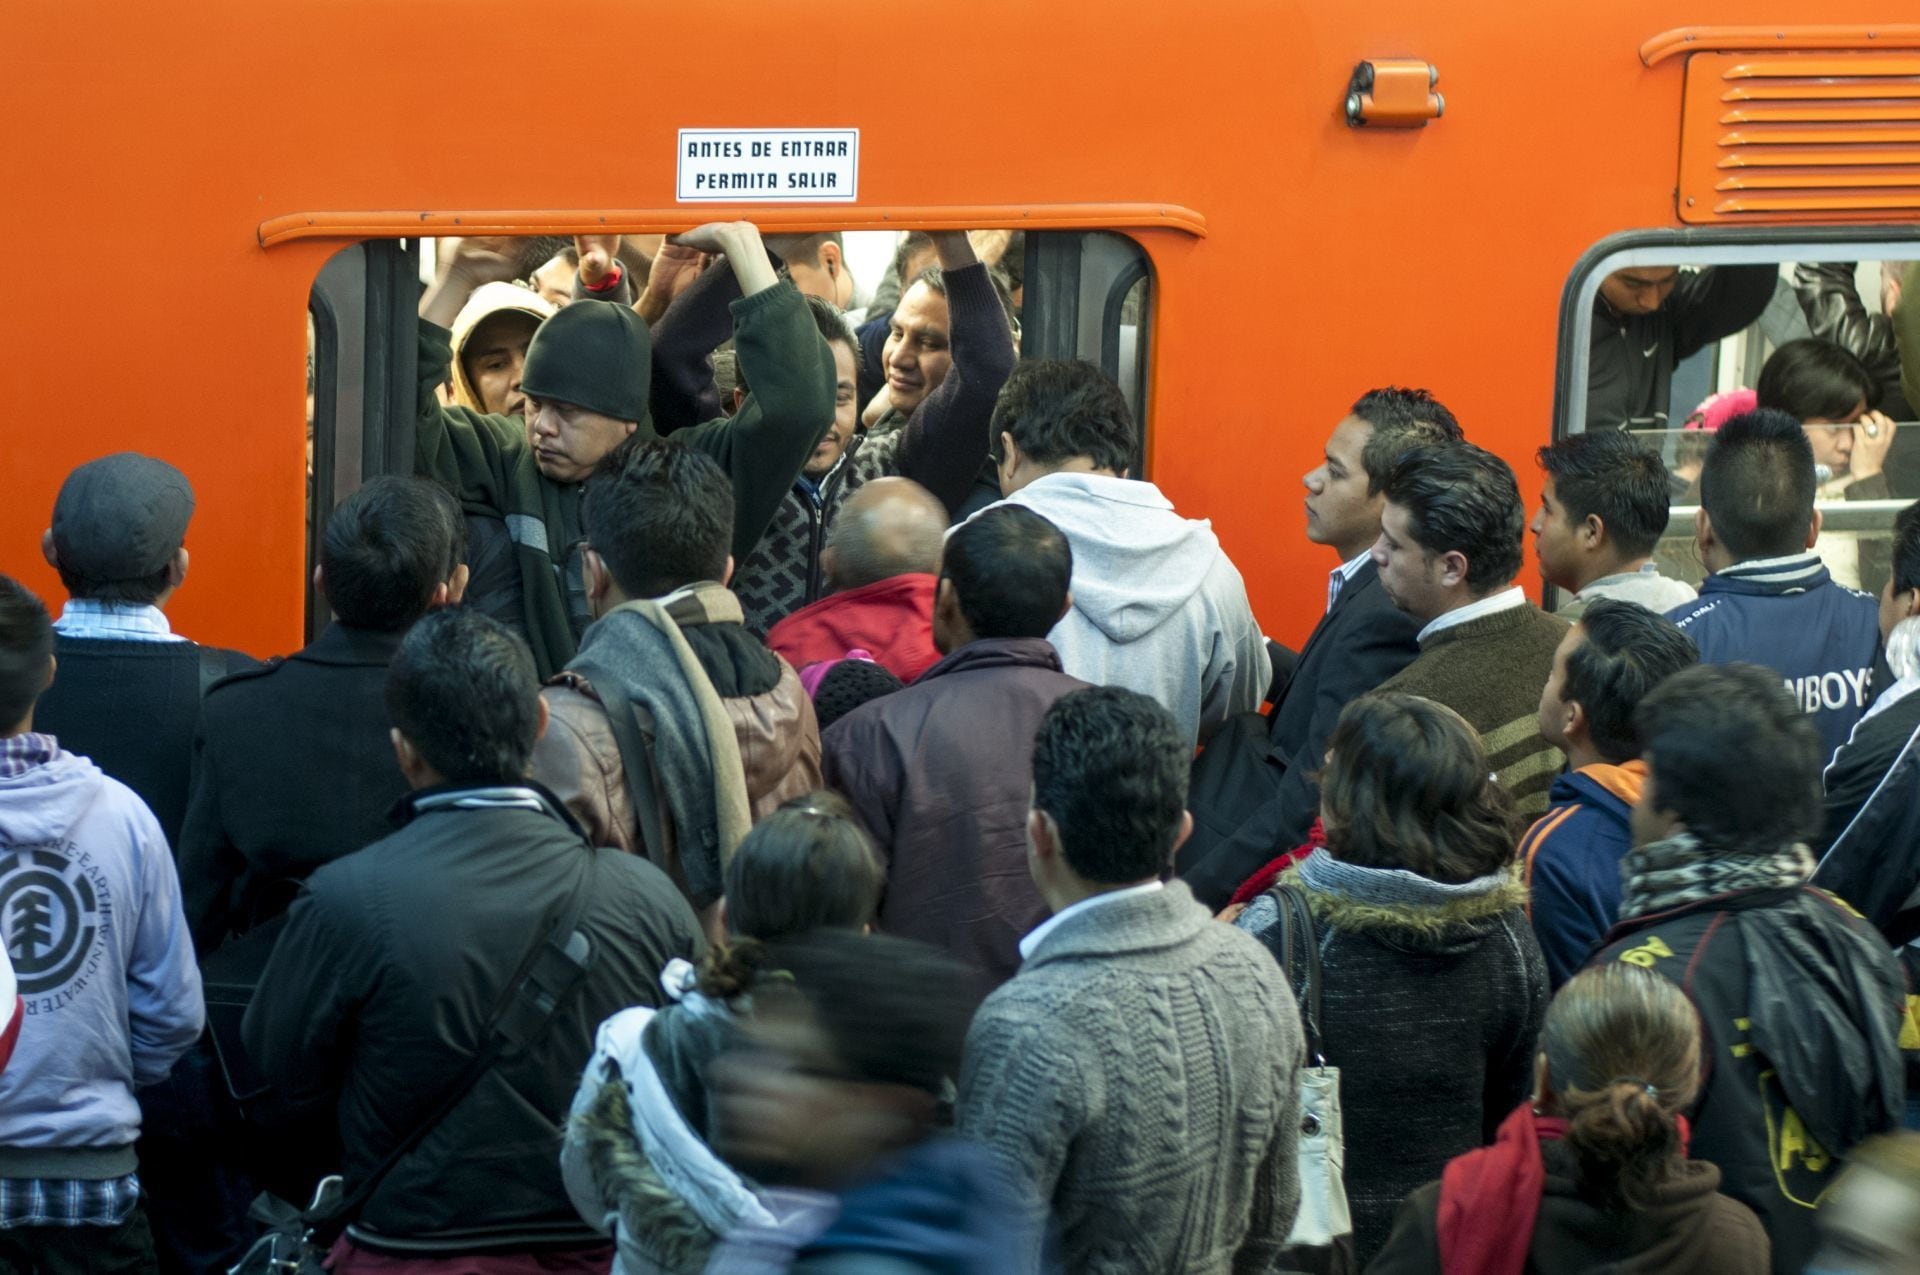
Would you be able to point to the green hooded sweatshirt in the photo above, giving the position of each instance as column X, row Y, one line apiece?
column 489, row 463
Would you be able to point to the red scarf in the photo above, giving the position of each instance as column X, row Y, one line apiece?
column 1262, row 881
column 1489, row 1198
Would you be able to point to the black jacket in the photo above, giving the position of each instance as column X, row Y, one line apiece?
column 1632, row 356
column 1432, row 1015
column 132, row 707
column 292, row 769
column 1801, row 1003
column 1253, row 796
column 392, row 961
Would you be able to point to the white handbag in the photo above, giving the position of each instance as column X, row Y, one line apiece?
column 1322, row 1235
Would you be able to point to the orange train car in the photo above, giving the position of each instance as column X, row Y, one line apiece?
column 1293, row 227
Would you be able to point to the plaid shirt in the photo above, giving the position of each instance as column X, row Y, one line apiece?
column 128, row 621
column 54, row 1202
column 21, row 753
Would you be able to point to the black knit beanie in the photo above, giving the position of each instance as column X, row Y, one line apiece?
column 848, row 685
column 592, row 354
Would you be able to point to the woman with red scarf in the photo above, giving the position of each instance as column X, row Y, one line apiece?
column 1593, row 1173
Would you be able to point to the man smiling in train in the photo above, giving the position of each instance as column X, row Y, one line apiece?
column 586, row 384
column 1253, row 791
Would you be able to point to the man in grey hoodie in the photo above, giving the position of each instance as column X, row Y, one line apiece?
column 1157, row 606
column 91, row 917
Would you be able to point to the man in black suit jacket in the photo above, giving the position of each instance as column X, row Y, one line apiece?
column 293, row 767
column 1254, row 794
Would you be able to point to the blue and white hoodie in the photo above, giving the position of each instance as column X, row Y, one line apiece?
column 91, row 916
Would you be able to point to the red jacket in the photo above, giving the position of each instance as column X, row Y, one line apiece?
column 891, row 618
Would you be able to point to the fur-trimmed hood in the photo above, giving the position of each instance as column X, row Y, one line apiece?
column 1447, row 925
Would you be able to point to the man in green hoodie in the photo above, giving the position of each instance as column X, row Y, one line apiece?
column 586, row 382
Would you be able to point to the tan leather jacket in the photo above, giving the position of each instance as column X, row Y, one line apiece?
column 579, row 760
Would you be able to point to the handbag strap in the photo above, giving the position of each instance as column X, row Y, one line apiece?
column 1296, row 922
column 516, row 1021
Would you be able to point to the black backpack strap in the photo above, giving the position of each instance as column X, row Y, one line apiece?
column 542, row 986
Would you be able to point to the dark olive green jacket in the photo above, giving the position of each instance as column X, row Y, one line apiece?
column 488, row 462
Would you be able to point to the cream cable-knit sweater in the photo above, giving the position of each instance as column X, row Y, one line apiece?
column 1139, row 1076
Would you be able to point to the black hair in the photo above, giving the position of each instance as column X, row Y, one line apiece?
column 1408, row 785
column 936, row 281
column 26, row 644
column 463, row 690
column 660, row 515
column 805, row 867
column 893, row 1011
column 1011, row 569
column 1608, row 474
column 1757, row 485
column 1628, row 651
column 910, row 246
column 834, row 328
column 386, row 549
column 1462, row 498
column 142, row 591
column 1060, row 409
column 849, row 684
column 1733, row 756
column 1110, row 766
column 1400, row 418
column 1906, row 549
column 530, row 252
column 1813, row 379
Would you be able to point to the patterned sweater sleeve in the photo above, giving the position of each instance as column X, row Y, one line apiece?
column 1023, row 1092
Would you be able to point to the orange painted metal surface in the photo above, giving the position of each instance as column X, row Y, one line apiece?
column 1841, row 133
column 1708, row 39
column 151, row 149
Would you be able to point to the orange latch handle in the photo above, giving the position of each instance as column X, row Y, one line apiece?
column 1394, row 93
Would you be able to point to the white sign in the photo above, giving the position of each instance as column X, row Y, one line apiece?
column 769, row 165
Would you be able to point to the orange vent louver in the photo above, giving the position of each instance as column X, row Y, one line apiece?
column 1783, row 137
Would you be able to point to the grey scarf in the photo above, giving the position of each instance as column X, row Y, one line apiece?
column 1680, row 870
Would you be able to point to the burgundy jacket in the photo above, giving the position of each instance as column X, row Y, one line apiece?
column 941, row 774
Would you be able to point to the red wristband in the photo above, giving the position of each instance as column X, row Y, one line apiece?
column 607, row 284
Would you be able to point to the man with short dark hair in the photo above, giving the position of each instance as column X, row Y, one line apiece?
column 817, row 264
column 1254, row 793
column 673, row 727
column 1098, row 1036
column 586, row 383
column 1801, row 1003
column 880, row 561
column 939, row 772
column 1450, row 544
column 939, row 442
column 110, row 994
column 389, row 552
column 387, row 978
column 1610, row 660
column 129, row 690
column 1769, row 599
column 1646, row 319
column 1157, row 605
column 1602, row 512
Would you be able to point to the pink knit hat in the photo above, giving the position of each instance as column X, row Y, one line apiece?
column 1720, row 408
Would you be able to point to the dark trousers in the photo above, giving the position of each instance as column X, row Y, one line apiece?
column 126, row 1249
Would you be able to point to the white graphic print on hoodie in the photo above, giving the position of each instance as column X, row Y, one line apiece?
column 1157, row 606
column 91, row 916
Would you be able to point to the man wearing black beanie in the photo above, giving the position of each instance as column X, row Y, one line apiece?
column 586, row 384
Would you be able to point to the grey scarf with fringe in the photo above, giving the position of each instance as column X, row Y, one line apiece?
column 1680, row 870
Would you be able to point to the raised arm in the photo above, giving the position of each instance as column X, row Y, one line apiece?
column 697, row 322
column 1717, row 302
column 790, row 384
column 1835, row 313
column 944, row 443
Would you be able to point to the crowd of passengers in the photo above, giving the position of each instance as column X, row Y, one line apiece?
column 779, row 794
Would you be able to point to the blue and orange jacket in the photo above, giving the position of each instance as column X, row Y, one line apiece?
column 1571, row 859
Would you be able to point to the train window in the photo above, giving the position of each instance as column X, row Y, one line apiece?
column 1667, row 341
column 1089, row 296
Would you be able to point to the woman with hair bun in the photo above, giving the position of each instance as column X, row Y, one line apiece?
column 637, row 1159
column 1592, row 1174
